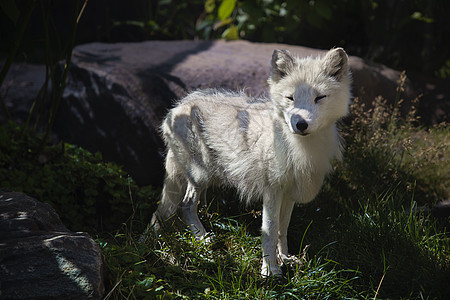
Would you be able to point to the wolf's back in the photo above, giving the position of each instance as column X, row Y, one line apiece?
column 222, row 136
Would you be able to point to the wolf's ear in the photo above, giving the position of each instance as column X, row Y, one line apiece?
column 282, row 63
column 335, row 63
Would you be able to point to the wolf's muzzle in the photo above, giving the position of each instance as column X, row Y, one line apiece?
column 299, row 124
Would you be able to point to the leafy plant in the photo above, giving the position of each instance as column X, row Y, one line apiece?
column 388, row 152
column 88, row 194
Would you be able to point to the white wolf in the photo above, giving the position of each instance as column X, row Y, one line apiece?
column 276, row 149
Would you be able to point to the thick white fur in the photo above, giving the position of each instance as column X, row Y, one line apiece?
column 276, row 149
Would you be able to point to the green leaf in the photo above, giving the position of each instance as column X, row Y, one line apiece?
column 147, row 282
column 420, row 17
column 219, row 24
column 210, row 5
column 231, row 33
column 226, row 8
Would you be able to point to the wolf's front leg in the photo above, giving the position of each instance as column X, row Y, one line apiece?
column 285, row 216
column 270, row 227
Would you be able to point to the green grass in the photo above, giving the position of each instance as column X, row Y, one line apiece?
column 369, row 234
column 379, row 250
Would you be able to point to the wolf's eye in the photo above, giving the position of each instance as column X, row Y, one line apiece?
column 290, row 98
column 318, row 98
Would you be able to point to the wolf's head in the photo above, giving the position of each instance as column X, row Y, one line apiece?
column 310, row 94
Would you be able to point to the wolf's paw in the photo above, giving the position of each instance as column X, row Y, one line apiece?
column 151, row 232
column 267, row 271
column 205, row 237
column 289, row 259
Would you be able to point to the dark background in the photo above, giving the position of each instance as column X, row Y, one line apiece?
column 403, row 34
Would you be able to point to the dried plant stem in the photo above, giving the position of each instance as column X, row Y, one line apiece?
column 379, row 286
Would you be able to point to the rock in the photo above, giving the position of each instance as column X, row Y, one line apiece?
column 20, row 88
column 442, row 209
column 40, row 258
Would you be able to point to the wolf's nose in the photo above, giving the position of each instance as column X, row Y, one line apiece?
column 301, row 125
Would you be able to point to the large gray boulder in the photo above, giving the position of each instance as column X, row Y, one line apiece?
column 40, row 258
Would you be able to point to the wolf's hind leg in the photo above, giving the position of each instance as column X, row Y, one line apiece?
column 189, row 211
column 171, row 197
column 172, row 193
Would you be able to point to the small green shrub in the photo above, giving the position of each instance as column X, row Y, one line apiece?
column 88, row 193
column 387, row 151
